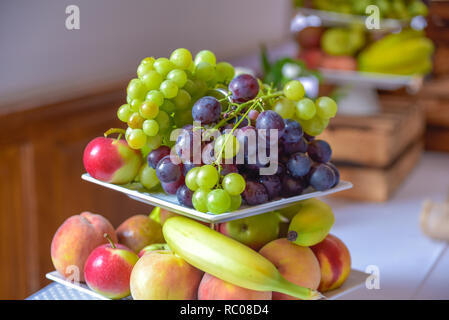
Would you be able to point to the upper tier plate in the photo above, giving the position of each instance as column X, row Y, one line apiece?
column 169, row 202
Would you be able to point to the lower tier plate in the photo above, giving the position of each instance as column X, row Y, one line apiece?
column 170, row 202
column 355, row 280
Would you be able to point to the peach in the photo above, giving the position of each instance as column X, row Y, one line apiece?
column 76, row 238
column 335, row 262
column 162, row 275
column 212, row 288
column 295, row 263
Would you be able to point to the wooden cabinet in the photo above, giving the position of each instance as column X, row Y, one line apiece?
column 40, row 167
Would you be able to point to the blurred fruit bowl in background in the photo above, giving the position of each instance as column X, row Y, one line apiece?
column 345, row 43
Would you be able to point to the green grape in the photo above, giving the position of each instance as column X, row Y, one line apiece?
column 182, row 118
column 148, row 60
column 178, row 76
column 135, row 104
column 285, row 108
column 163, row 66
column 326, row 107
column 207, row 177
column 154, row 142
column 147, row 177
column 190, row 87
column 218, row 201
column 190, row 179
column 294, row 90
column 181, row 58
column 149, row 110
column 145, row 66
column 224, row 72
column 201, row 87
column 182, row 100
column 236, row 201
column 127, row 132
column 152, row 80
column 155, row 96
column 169, row 89
column 199, row 199
column 136, row 89
column 234, row 184
column 205, row 71
column 163, row 120
column 135, row 121
column 205, row 56
column 137, row 139
column 305, row 109
column 229, row 144
column 314, row 126
column 150, row 127
column 168, row 106
column 128, row 100
column 124, row 112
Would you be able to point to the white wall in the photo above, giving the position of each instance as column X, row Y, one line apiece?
column 38, row 54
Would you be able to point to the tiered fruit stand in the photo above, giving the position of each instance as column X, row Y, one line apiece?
column 169, row 202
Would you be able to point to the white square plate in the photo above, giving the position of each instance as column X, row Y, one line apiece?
column 355, row 280
column 170, row 202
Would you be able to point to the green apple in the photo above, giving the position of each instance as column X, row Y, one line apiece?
column 255, row 231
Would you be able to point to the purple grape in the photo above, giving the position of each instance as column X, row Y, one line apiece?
column 300, row 146
column 188, row 144
column 253, row 115
column 167, row 171
column 242, row 124
column 172, row 187
column 207, row 155
column 292, row 133
column 243, row 88
column 269, row 120
column 206, row 110
column 308, row 137
column 228, row 168
column 319, row 151
column 322, row 177
column 255, row 193
column 291, row 186
column 156, row 155
column 336, row 172
column 247, row 138
column 272, row 184
column 184, row 195
column 299, row 164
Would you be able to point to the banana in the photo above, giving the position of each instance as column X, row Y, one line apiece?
column 403, row 54
column 227, row 259
column 311, row 224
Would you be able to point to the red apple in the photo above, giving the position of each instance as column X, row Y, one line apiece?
column 163, row 275
column 108, row 270
column 255, row 231
column 111, row 160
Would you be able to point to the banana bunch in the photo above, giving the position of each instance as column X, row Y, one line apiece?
column 406, row 53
